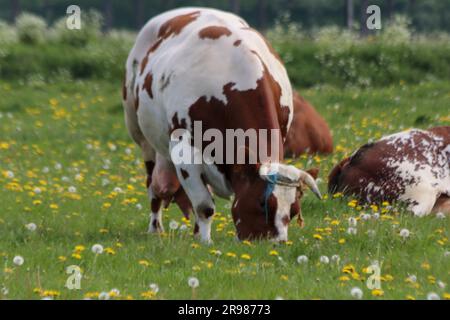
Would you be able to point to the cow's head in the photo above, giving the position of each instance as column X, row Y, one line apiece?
column 267, row 200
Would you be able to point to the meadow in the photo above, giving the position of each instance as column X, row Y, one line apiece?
column 72, row 183
column 70, row 178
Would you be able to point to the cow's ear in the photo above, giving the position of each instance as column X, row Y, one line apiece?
column 314, row 172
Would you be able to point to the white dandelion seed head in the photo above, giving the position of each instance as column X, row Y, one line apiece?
column 72, row 189
column 356, row 293
column 105, row 182
column 139, row 206
column 376, row 216
column 193, row 282
column 336, row 258
column 118, row 190
column 441, row 284
column 440, row 215
column 184, row 227
column 9, row 174
column 302, row 259
column 412, row 278
column 365, row 217
column 447, row 254
column 97, row 249
column 89, row 146
column 46, row 170
column 5, row 291
column 352, row 222
column 18, row 260
column 404, row 233
column 104, row 296
column 324, row 260
column 58, row 166
column 433, row 296
column 112, row 147
column 128, row 151
column 65, row 179
column 31, row 226
column 173, row 225
column 37, row 190
column 154, row 287
column 352, row 231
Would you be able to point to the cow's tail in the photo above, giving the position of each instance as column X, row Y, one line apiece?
column 334, row 179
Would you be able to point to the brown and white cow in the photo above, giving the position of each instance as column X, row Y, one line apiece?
column 412, row 167
column 202, row 65
column 309, row 132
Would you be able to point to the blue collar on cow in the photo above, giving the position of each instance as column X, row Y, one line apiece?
column 272, row 181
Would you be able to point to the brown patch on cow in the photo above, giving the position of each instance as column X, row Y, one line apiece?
column 285, row 220
column 149, row 166
column 177, row 124
column 124, row 88
column 144, row 63
column 183, row 202
column 207, row 213
column 136, row 100
column 196, row 229
column 175, row 25
column 309, row 133
column 148, row 84
column 443, row 132
column 156, row 205
column 184, row 174
column 214, row 32
column 155, row 46
column 237, row 43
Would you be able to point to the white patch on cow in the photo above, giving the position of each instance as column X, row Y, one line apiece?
column 204, row 227
column 156, row 219
column 286, row 196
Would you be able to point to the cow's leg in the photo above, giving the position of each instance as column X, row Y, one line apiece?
column 149, row 155
column 194, row 184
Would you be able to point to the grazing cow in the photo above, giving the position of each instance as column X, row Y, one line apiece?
column 412, row 167
column 309, row 132
column 202, row 65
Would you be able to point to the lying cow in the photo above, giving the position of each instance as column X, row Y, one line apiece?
column 205, row 65
column 411, row 167
column 309, row 132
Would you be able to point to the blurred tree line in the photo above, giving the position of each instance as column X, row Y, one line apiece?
column 425, row 15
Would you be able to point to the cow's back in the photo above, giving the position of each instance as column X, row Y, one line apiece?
column 193, row 55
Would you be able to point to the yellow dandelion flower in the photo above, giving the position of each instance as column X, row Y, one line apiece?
column 317, row 236
column 377, row 293
column 273, row 253
column 246, row 257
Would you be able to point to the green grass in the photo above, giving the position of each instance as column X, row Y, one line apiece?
column 80, row 126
